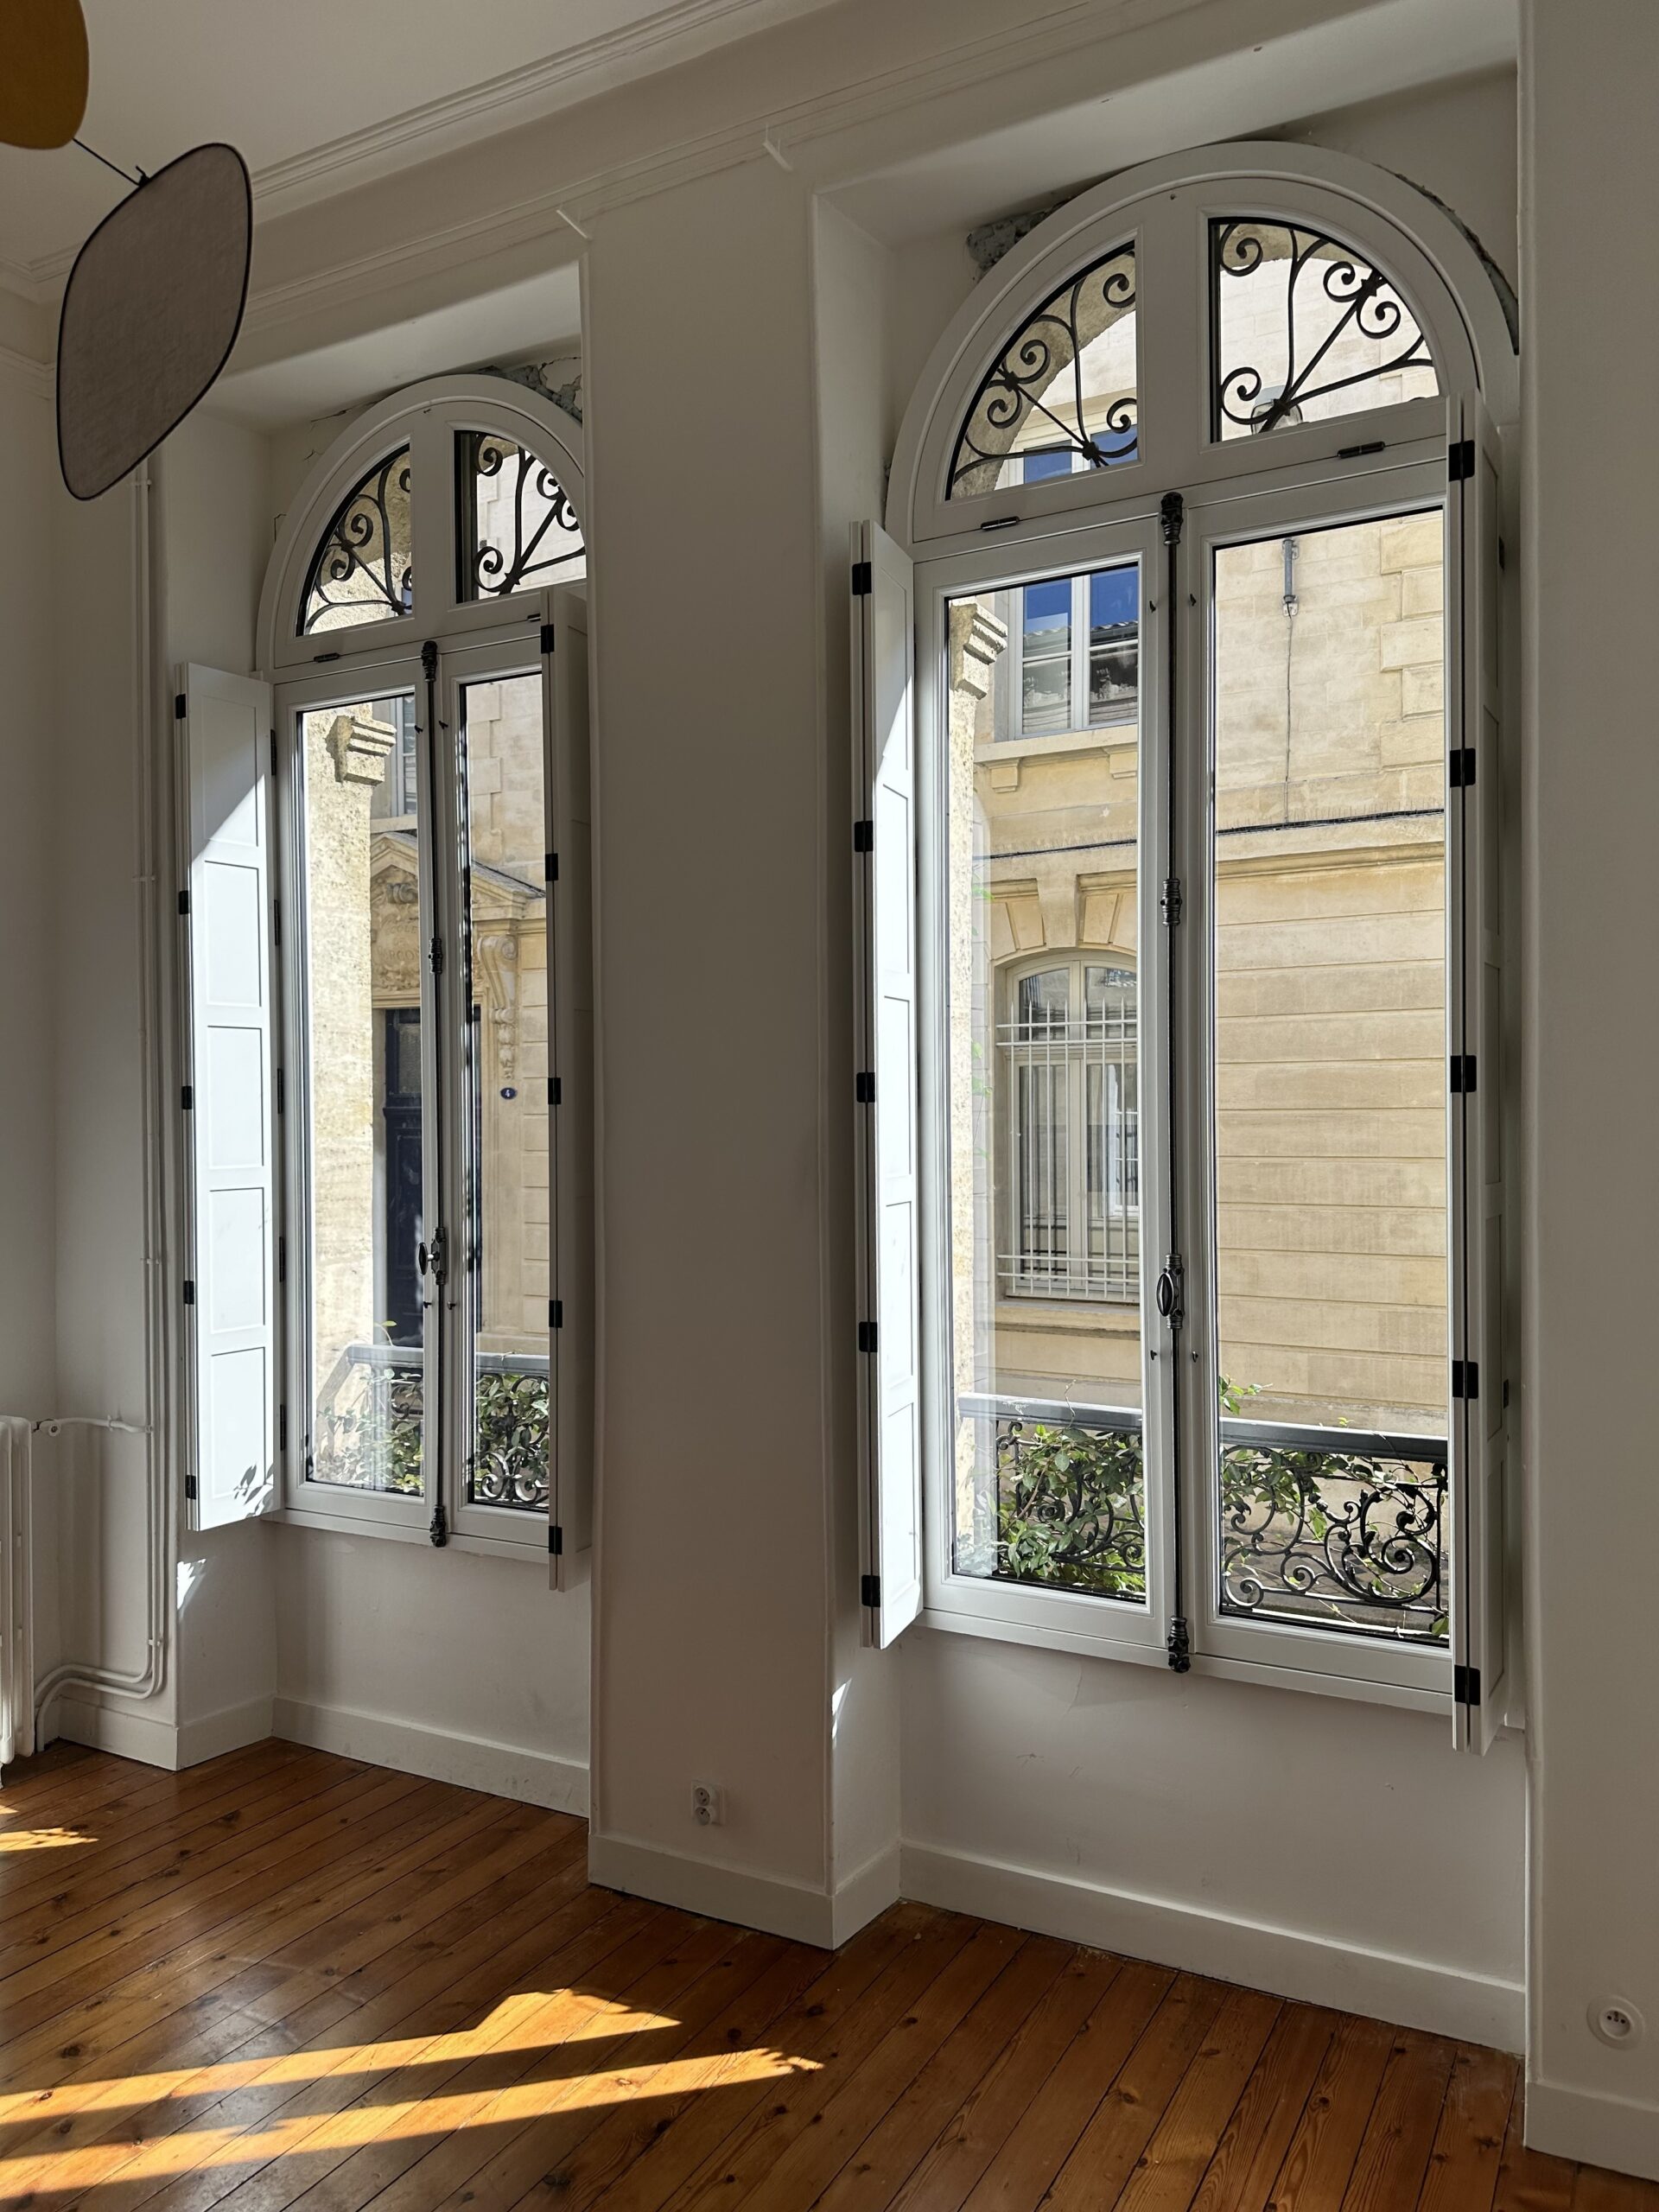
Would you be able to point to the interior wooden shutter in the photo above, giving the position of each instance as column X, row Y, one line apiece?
column 230, row 1292
column 884, row 902
column 1480, row 1533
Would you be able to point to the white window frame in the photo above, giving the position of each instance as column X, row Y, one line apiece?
column 476, row 640
column 1296, row 476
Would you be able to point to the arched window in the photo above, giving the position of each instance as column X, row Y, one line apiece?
column 1205, row 497
column 411, row 1294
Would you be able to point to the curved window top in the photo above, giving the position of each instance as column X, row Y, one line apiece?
column 518, row 529
column 1303, row 328
column 1061, row 396
column 362, row 570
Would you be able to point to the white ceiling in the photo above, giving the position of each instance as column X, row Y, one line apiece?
column 321, row 94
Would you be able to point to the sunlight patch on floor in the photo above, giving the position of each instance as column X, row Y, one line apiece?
column 41, row 1839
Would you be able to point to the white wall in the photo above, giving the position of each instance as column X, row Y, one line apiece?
column 1590, row 569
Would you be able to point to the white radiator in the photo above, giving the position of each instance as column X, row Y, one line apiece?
column 17, row 1605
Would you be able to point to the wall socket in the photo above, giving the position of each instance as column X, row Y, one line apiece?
column 706, row 1808
column 1616, row 2022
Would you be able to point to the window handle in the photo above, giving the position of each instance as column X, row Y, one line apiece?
column 1167, row 1295
column 431, row 1259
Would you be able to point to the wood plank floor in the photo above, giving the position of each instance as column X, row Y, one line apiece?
column 284, row 1979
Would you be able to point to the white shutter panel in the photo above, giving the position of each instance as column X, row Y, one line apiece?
column 884, row 902
column 1480, row 1534
column 231, row 1310
column 569, row 837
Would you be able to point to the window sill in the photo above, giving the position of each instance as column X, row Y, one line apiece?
column 1110, row 737
column 527, row 1548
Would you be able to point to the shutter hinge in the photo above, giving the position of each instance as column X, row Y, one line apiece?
column 866, row 1335
column 439, row 1531
column 1178, row 1645
column 273, row 752
column 189, row 1291
column 1465, row 1685
column 553, row 1090
column 190, row 1486
column 555, row 1541
column 282, row 1091
column 184, row 902
column 550, row 867
column 869, row 1590
column 555, row 1312
column 1465, row 1378
column 864, row 836
column 1463, row 1074
column 1460, row 460
column 864, row 1089
column 548, row 636
column 437, row 955
column 178, row 706
column 1460, row 767
column 282, row 1276
column 1171, row 515
column 277, row 922
column 862, row 586
column 282, row 1428
column 1171, row 902
column 187, row 1097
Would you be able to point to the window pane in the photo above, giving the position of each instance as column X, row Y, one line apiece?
column 518, row 530
column 1330, row 1042
column 1114, row 647
column 361, row 571
column 363, row 947
column 1063, row 391
column 509, row 1223
column 1306, row 330
column 1043, row 1074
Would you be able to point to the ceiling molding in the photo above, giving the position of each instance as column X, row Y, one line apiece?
column 35, row 375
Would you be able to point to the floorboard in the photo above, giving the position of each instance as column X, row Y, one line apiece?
column 284, row 1979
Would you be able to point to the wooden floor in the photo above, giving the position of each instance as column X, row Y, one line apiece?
column 284, row 1979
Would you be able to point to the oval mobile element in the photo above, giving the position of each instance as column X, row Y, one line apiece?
column 43, row 72
column 150, row 313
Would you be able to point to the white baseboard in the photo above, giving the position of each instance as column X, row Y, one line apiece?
column 738, row 1894
column 228, row 1730
column 504, row 1769
column 1410, row 1992
column 1601, row 2131
column 128, row 1734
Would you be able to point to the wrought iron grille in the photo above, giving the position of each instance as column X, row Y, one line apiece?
column 1339, row 339
column 1065, row 1506
column 1334, row 1528
column 361, row 571
column 368, row 1432
column 1037, row 393
column 518, row 527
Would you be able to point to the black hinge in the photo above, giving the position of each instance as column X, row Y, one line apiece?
column 1463, row 1074
column 435, row 956
column 1465, row 1685
column 555, row 1312
column 178, row 706
column 189, row 1293
column 553, row 1089
column 1460, row 767
column 862, row 585
column 864, row 836
column 184, row 902
column 187, row 1097
column 282, row 1091
column 550, row 867
column 273, row 752
column 869, row 1590
column 439, row 1531
column 1460, row 459
column 281, row 1274
column 277, row 922
column 866, row 1335
column 1172, row 901
column 1171, row 515
column 864, row 1089
column 555, row 1541
column 282, row 1428
column 548, row 636
column 190, row 1486
column 1178, row 1645
column 1465, row 1378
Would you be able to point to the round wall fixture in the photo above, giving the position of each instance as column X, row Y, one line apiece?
column 43, row 72
column 150, row 313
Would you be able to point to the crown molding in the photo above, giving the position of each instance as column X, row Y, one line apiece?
column 35, row 377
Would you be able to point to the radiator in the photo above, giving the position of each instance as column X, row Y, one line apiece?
column 17, row 1605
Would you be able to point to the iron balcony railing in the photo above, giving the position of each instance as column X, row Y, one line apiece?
column 369, row 1425
column 1328, row 1528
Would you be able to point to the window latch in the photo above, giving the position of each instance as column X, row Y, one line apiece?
column 431, row 1258
column 1169, row 1293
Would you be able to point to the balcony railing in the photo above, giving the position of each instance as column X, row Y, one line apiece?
column 1325, row 1527
column 369, row 1427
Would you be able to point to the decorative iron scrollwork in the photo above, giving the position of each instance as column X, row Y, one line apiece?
column 520, row 526
column 1041, row 373
column 1345, row 327
column 361, row 570
column 1346, row 1538
column 510, row 1439
column 1070, row 1505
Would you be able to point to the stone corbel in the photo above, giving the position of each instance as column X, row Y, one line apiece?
column 360, row 747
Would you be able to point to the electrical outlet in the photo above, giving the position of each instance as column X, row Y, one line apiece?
column 1616, row 2022
column 705, row 1804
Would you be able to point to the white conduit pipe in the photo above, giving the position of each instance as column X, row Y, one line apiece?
column 147, row 1680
